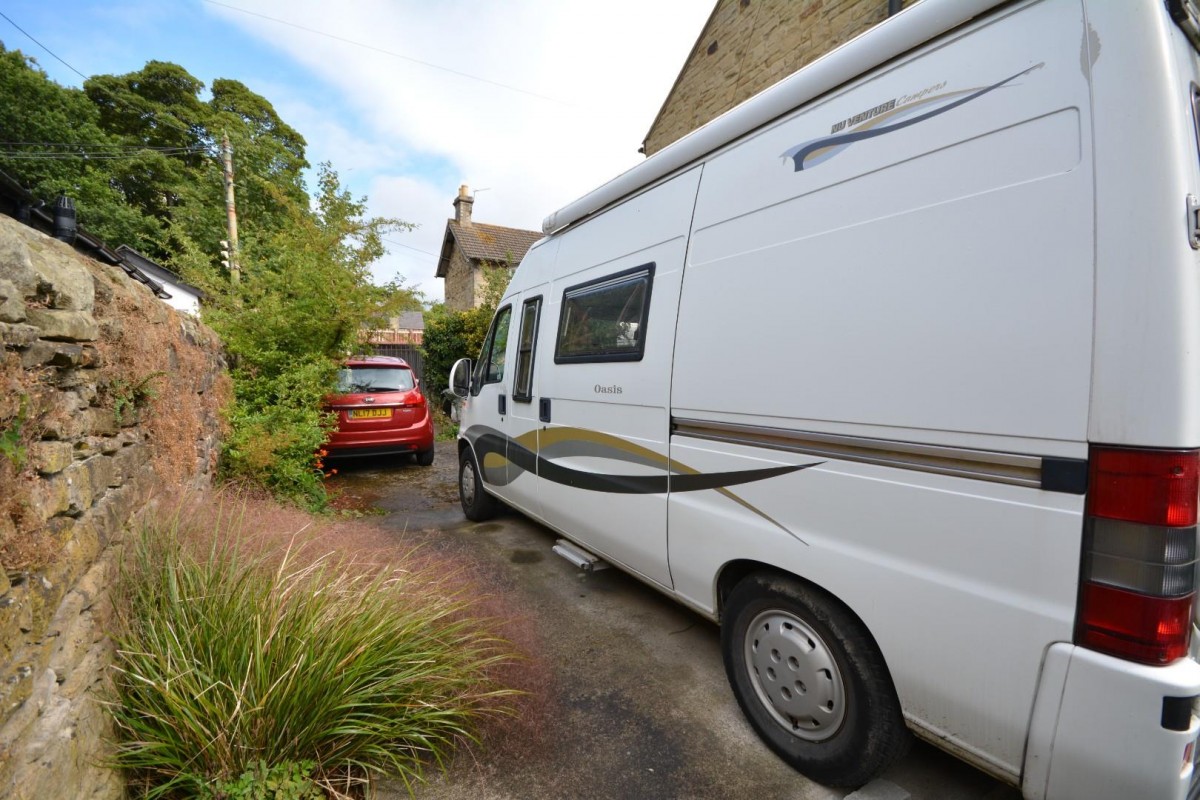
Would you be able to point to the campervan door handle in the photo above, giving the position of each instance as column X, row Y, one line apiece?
column 544, row 409
column 503, row 404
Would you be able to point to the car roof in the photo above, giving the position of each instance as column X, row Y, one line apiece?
column 376, row 361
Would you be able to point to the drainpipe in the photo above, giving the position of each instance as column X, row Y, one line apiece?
column 894, row 7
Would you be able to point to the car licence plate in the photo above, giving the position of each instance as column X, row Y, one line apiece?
column 370, row 413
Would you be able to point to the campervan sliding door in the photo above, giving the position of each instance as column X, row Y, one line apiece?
column 604, row 375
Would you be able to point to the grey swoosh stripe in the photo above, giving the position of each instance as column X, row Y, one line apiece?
column 1052, row 474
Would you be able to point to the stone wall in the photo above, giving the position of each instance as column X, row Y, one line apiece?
column 748, row 45
column 107, row 397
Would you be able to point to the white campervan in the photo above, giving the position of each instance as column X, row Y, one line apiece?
column 894, row 371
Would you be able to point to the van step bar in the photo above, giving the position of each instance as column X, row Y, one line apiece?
column 579, row 557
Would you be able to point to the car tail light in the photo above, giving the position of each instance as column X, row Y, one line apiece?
column 1138, row 577
column 413, row 399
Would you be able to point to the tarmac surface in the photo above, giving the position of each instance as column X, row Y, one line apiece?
column 633, row 700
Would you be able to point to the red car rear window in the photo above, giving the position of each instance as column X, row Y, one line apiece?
column 357, row 380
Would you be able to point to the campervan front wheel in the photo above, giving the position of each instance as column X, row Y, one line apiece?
column 477, row 505
column 811, row 681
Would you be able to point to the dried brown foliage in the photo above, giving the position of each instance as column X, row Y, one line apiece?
column 155, row 372
column 148, row 359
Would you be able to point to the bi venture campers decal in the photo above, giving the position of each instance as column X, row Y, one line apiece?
column 889, row 116
column 502, row 459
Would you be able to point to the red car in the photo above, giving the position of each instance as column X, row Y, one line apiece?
column 380, row 411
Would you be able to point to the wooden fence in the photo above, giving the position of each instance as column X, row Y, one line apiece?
column 409, row 352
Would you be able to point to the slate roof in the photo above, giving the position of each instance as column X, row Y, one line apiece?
column 411, row 321
column 481, row 242
column 153, row 269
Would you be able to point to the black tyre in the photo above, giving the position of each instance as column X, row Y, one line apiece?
column 811, row 681
column 477, row 504
column 425, row 457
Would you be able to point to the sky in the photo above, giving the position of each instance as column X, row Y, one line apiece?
column 531, row 103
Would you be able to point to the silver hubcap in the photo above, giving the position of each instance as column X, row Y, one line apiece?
column 795, row 676
column 466, row 483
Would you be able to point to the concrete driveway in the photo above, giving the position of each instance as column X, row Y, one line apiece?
column 634, row 700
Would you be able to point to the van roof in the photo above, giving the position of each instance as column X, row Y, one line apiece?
column 894, row 36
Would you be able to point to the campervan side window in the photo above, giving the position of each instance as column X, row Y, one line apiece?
column 523, row 386
column 605, row 319
column 490, row 368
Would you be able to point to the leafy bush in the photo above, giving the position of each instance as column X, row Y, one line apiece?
column 451, row 335
column 276, row 427
column 234, row 662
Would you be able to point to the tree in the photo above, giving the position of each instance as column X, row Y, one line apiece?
column 305, row 296
column 157, row 107
column 306, row 292
column 160, row 106
column 43, row 117
column 451, row 335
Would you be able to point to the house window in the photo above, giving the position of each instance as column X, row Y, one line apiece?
column 530, row 313
column 605, row 319
column 490, row 368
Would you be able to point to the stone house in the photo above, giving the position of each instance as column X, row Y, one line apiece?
column 746, row 46
column 469, row 246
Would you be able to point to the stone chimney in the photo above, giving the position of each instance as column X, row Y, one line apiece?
column 462, row 206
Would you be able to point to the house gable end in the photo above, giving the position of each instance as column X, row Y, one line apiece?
column 748, row 45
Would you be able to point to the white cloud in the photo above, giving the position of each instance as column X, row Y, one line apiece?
column 413, row 254
column 606, row 66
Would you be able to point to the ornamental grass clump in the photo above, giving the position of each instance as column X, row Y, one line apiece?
column 232, row 660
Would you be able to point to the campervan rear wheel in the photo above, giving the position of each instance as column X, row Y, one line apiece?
column 477, row 505
column 811, row 681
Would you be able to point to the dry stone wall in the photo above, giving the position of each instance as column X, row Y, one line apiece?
column 108, row 398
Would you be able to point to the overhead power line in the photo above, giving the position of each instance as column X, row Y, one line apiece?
column 409, row 246
column 99, row 145
column 39, row 44
column 97, row 149
column 64, row 151
column 71, row 156
column 391, row 53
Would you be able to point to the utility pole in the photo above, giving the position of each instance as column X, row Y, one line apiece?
column 235, row 269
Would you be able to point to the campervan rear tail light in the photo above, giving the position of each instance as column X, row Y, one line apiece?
column 1157, row 487
column 1139, row 553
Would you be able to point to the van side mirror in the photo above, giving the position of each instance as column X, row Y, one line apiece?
column 460, row 378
